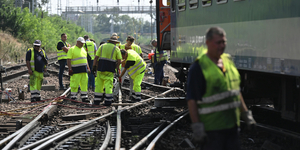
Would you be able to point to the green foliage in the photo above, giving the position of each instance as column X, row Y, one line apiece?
column 27, row 27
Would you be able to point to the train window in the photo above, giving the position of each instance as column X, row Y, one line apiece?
column 193, row 4
column 206, row 3
column 181, row 5
column 221, row 1
column 173, row 5
column 166, row 2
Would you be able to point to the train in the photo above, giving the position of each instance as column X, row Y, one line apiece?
column 262, row 38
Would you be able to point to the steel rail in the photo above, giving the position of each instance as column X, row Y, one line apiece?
column 71, row 130
column 148, row 137
column 153, row 142
column 107, row 138
column 29, row 126
column 119, row 123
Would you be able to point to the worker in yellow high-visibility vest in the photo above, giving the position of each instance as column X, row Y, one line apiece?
column 108, row 58
column 36, row 61
column 91, row 49
column 62, row 50
column 78, row 70
column 136, row 70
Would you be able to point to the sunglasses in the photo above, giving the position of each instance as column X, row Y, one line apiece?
column 36, row 46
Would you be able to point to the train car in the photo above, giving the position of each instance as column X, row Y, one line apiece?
column 262, row 38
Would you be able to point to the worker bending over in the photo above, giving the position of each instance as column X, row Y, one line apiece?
column 136, row 70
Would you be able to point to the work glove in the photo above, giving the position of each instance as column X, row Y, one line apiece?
column 199, row 134
column 249, row 120
column 94, row 71
column 30, row 72
column 70, row 72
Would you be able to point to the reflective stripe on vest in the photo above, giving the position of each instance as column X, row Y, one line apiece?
column 91, row 49
column 61, row 54
column 219, row 96
column 139, row 65
column 164, row 57
column 218, row 108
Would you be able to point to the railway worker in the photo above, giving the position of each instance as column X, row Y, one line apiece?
column 160, row 59
column 36, row 61
column 129, row 42
column 91, row 49
column 214, row 99
column 62, row 50
column 115, row 34
column 136, row 70
column 78, row 70
column 108, row 59
column 121, row 79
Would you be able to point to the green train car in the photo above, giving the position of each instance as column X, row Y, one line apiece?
column 262, row 38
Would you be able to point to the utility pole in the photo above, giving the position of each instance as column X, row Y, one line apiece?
column 32, row 6
column 151, row 19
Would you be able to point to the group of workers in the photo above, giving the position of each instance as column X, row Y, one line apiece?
column 90, row 67
column 213, row 86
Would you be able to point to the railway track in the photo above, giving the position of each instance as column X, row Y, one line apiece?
column 45, row 129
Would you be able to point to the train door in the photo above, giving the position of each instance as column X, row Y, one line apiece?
column 164, row 21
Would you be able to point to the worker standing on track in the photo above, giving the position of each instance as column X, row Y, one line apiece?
column 214, row 98
column 160, row 59
column 62, row 50
column 78, row 70
column 108, row 58
column 91, row 49
column 36, row 61
column 136, row 70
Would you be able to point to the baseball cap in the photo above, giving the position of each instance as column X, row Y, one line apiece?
column 81, row 39
column 37, row 43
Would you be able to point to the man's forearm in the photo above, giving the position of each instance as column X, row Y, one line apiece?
column 95, row 62
column 123, row 72
column 65, row 49
column 69, row 64
column 243, row 107
column 193, row 109
column 28, row 65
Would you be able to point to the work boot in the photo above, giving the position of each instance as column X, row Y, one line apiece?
column 107, row 103
column 33, row 100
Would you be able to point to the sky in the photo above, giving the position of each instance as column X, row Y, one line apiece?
column 54, row 5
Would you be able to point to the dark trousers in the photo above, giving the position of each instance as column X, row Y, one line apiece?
column 62, row 64
column 159, row 72
column 91, row 81
column 227, row 139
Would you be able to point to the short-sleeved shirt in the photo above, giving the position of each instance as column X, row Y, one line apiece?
column 196, row 84
column 60, row 45
column 39, row 63
column 104, row 64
